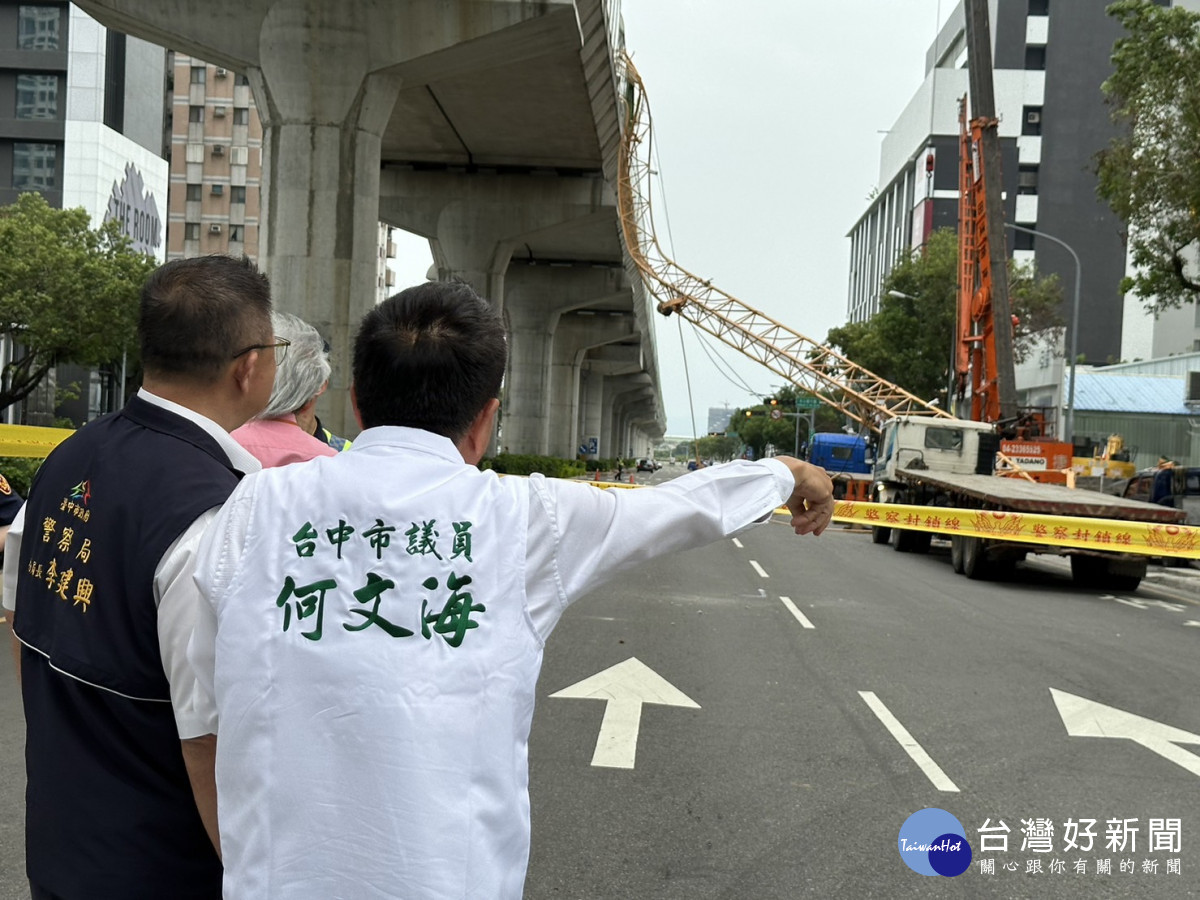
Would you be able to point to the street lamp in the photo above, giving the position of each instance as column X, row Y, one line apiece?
column 1069, row 418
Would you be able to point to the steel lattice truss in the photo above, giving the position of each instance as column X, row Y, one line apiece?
column 815, row 368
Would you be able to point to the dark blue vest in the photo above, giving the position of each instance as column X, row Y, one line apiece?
column 109, row 808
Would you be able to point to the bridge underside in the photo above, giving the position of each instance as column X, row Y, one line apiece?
column 489, row 127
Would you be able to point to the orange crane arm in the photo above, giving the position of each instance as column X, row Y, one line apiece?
column 813, row 367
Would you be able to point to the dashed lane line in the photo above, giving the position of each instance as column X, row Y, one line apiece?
column 800, row 617
column 923, row 760
column 759, row 569
column 737, row 543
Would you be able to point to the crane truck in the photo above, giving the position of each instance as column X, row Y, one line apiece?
column 927, row 456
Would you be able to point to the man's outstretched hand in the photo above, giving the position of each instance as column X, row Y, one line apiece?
column 811, row 503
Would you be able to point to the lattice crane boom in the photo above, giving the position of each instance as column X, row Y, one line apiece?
column 813, row 367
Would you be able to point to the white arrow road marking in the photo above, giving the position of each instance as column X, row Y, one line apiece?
column 931, row 769
column 800, row 617
column 737, row 543
column 625, row 686
column 759, row 569
column 1087, row 718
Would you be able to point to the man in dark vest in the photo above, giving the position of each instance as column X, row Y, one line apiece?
column 105, row 601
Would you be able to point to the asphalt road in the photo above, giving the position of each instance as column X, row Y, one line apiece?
column 783, row 780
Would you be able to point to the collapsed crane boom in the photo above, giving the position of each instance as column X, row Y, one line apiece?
column 813, row 367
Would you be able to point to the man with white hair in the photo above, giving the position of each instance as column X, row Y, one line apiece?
column 274, row 437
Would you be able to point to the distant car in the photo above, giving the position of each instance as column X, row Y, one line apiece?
column 648, row 465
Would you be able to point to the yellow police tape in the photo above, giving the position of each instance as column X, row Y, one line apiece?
column 32, row 441
column 1114, row 535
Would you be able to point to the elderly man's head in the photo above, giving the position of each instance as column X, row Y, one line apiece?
column 302, row 374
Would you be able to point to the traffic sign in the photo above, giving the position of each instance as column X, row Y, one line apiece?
column 808, row 402
column 777, row 414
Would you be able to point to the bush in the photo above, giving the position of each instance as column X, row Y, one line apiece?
column 527, row 464
column 19, row 471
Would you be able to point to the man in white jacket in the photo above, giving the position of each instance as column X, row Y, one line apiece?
column 376, row 620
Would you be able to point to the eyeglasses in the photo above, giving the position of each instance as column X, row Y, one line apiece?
column 280, row 345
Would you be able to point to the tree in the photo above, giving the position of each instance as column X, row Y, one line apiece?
column 909, row 341
column 68, row 292
column 1150, row 174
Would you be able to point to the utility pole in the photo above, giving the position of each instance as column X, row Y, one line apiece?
column 983, row 108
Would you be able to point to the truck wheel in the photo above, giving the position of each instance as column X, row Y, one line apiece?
column 976, row 564
column 1089, row 571
column 1125, row 574
column 880, row 535
column 956, row 553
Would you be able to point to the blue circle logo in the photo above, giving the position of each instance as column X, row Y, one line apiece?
column 933, row 842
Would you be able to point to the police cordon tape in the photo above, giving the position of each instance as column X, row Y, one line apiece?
column 31, row 441
column 1111, row 535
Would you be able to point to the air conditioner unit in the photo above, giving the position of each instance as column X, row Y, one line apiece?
column 221, row 73
column 218, row 150
column 218, row 189
column 1033, row 118
column 218, row 112
column 214, row 228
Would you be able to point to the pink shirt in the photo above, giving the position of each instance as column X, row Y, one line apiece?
column 277, row 442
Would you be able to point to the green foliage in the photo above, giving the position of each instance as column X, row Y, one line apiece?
column 910, row 340
column 68, row 292
column 526, row 464
column 19, row 470
column 719, row 448
column 1150, row 174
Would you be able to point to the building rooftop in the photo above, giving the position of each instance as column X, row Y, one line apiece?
column 1104, row 391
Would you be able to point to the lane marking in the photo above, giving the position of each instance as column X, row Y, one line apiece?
column 800, row 617
column 1192, row 623
column 737, row 543
column 759, row 569
column 923, row 760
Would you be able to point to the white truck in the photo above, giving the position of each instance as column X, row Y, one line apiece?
column 926, row 461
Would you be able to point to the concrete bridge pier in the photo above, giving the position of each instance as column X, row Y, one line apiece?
column 320, row 233
column 619, row 393
column 578, row 334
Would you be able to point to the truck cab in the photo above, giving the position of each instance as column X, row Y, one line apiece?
column 839, row 453
column 924, row 443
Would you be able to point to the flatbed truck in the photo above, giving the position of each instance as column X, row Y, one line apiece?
column 949, row 463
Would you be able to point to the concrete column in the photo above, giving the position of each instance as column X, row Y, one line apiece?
column 538, row 296
column 322, row 128
column 577, row 334
column 618, row 393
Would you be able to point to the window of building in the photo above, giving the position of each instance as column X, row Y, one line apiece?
column 1031, row 120
column 241, row 79
column 199, row 74
column 34, row 167
column 1039, row 7
column 1035, row 58
column 1022, row 240
column 241, row 116
column 1027, row 179
column 193, row 192
column 236, row 232
column 37, row 27
column 191, row 231
column 37, row 96
column 195, row 113
column 237, row 194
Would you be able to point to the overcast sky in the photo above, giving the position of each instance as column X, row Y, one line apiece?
column 768, row 119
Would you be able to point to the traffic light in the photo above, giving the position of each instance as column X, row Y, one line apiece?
column 749, row 413
column 772, row 401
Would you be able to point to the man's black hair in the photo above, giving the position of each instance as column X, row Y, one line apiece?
column 195, row 314
column 429, row 357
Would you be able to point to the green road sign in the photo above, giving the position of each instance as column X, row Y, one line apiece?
column 807, row 402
